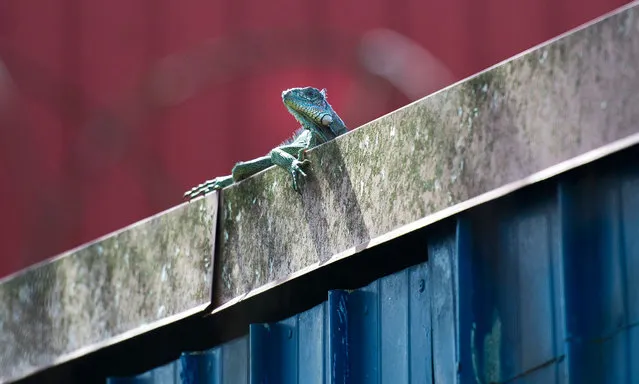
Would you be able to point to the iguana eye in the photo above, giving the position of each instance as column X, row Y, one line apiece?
column 309, row 94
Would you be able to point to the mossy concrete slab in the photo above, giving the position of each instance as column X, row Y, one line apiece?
column 146, row 275
column 549, row 105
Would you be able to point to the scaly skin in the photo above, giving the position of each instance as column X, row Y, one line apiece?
column 320, row 124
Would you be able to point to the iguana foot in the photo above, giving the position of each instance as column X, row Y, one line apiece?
column 208, row 186
column 296, row 170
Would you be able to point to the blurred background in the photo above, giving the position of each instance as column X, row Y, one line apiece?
column 110, row 110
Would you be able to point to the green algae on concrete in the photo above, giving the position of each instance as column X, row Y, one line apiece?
column 558, row 101
column 151, row 273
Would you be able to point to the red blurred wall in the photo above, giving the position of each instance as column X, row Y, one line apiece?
column 109, row 110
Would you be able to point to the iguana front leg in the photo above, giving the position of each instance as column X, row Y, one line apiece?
column 283, row 157
column 241, row 171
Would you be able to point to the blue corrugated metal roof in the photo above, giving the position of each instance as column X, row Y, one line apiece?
column 527, row 289
column 225, row 364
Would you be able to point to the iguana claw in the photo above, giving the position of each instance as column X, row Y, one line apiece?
column 201, row 189
column 296, row 170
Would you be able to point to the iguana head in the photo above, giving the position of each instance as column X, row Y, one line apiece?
column 311, row 108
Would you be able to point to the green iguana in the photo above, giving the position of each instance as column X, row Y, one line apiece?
column 320, row 124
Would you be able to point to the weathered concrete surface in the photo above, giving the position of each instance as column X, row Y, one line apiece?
column 148, row 274
column 554, row 103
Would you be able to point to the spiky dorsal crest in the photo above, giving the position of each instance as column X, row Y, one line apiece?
column 291, row 139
